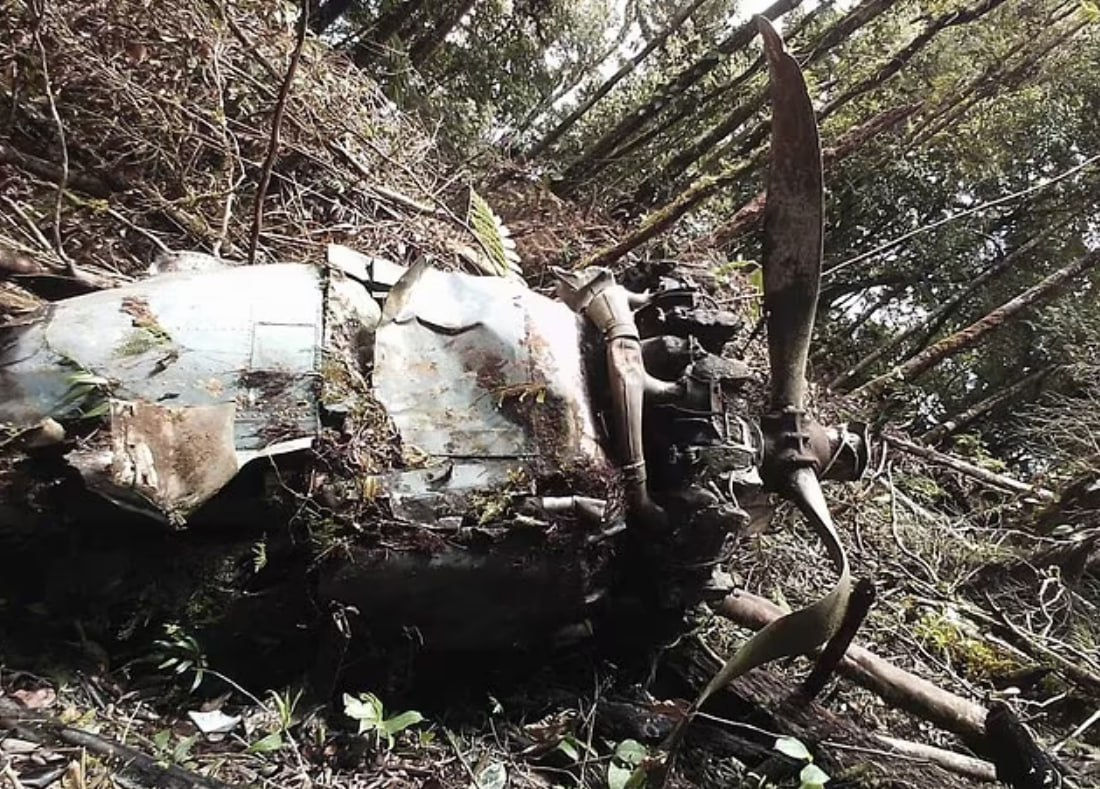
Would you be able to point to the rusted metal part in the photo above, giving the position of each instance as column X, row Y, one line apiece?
column 481, row 367
column 486, row 378
column 793, row 225
column 594, row 294
column 169, row 459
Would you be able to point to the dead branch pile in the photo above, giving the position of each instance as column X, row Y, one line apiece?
column 129, row 128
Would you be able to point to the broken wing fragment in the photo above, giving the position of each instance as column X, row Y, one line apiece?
column 198, row 372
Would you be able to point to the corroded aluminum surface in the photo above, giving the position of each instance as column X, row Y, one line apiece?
column 483, row 367
column 241, row 342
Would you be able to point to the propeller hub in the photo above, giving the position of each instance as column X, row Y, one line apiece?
column 793, row 440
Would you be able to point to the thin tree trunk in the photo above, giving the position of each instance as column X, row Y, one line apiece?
column 839, row 383
column 690, row 106
column 996, row 78
column 967, row 338
column 371, row 40
column 985, row 406
column 574, row 80
column 682, row 14
column 897, row 62
column 752, row 137
column 661, row 98
column 1001, row 481
column 749, row 215
column 654, row 184
column 661, row 219
column 422, row 50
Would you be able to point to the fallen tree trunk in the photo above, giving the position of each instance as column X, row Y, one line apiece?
column 994, row 732
column 969, row 766
column 842, row 747
column 907, row 691
column 985, row 476
column 956, row 423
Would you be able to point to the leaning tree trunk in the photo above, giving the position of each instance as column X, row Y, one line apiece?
column 641, row 115
column 652, row 186
column 422, row 50
column 986, row 405
column 969, row 337
column 387, row 25
column 700, row 190
column 690, row 106
column 740, row 144
column 575, row 79
column 749, row 215
column 677, row 21
column 1000, row 76
column 840, row 382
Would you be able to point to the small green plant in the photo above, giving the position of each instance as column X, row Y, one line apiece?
column 368, row 711
column 493, row 235
column 626, row 770
column 88, row 397
column 259, row 555
column 811, row 776
column 179, row 653
column 285, row 704
column 167, row 752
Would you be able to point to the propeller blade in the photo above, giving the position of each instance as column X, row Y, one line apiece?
column 793, row 217
column 796, row 633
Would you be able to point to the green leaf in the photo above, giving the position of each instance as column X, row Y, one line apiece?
column 182, row 751
column 367, row 709
column 625, row 770
column 569, row 748
column 789, row 746
column 631, row 752
column 162, row 738
column 812, row 777
column 268, row 744
column 618, row 777
column 494, row 235
column 398, row 723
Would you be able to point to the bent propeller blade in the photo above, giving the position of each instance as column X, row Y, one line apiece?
column 793, row 224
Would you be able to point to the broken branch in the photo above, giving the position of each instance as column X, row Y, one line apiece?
column 276, row 125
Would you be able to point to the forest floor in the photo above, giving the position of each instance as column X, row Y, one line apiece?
column 157, row 149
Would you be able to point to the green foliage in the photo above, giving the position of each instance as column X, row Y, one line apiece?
column 811, row 776
column 494, row 236
column 180, row 653
column 626, row 770
column 86, row 398
column 950, row 636
column 368, row 711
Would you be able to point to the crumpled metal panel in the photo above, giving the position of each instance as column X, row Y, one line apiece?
column 248, row 336
column 483, row 367
column 204, row 370
column 168, row 458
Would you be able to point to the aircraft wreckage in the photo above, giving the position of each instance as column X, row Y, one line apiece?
column 558, row 456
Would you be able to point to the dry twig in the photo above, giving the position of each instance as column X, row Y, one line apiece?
column 276, row 125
